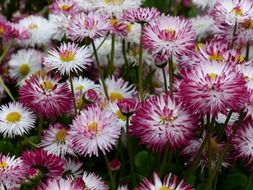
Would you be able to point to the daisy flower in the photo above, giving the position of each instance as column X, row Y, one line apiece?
column 60, row 184
column 203, row 4
column 59, row 23
column 93, row 181
column 24, row 63
column 16, row 120
column 233, row 11
column 123, row 187
column 128, row 106
column 56, row 140
column 86, row 5
column 46, row 96
column 63, row 6
column 245, row 32
column 160, row 121
column 38, row 28
column 243, row 143
column 134, row 33
column 140, row 15
column 213, row 87
column 92, row 25
column 116, row 7
column 166, row 36
column 118, row 89
column 94, row 130
column 49, row 165
column 72, row 168
column 170, row 182
column 12, row 171
column 217, row 147
column 68, row 58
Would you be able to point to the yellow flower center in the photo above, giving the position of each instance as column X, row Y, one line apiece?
column 93, row 128
column 61, row 135
column 237, row 11
column 114, row 2
column 120, row 115
column 114, row 96
column 212, row 76
column 164, row 119
column 3, row 165
column 129, row 27
column 24, row 69
column 64, row 7
column 215, row 57
column 114, row 21
column 67, row 56
column 79, row 88
column 33, row 26
column 47, row 85
column 248, row 24
column 79, row 103
column 1, row 31
column 170, row 33
column 13, row 117
column 240, row 59
column 164, row 188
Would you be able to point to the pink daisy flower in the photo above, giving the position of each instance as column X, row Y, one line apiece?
column 161, row 121
column 60, row 184
column 128, row 106
column 213, row 87
column 56, row 140
column 73, row 168
column 233, row 11
column 170, row 182
column 166, row 36
column 63, row 6
column 49, row 165
column 46, row 96
column 92, row 25
column 12, row 171
column 243, row 143
column 140, row 15
column 68, row 58
column 94, row 130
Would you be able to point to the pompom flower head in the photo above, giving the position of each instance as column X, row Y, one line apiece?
column 16, row 120
column 213, row 87
column 60, row 184
column 92, row 25
column 94, row 130
column 68, row 58
column 46, row 96
column 64, row 6
column 170, row 182
column 160, row 121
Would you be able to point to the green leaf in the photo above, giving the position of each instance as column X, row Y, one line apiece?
column 6, row 147
column 234, row 181
column 144, row 163
column 201, row 186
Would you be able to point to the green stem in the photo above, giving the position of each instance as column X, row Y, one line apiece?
column 73, row 93
column 110, row 67
column 7, row 49
column 165, row 80
column 233, row 38
column 113, row 186
column 224, row 152
column 130, row 152
column 124, row 52
column 209, row 156
column 247, row 187
column 247, row 51
column 101, row 74
column 6, row 89
column 171, row 72
column 30, row 142
column 140, row 68
column 167, row 157
column 40, row 127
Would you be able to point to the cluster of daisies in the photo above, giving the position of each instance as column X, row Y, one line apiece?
column 91, row 80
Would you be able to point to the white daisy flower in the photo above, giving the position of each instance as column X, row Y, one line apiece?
column 15, row 119
column 105, row 50
column 60, row 23
column 85, row 5
column 117, row 89
column 25, row 62
column 123, row 187
column 94, row 182
column 73, row 168
column 203, row 4
column 60, row 184
column 56, row 140
column 68, row 58
column 134, row 33
column 202, row 25
column 116, row 7
column 39, row 29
